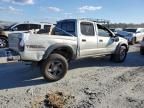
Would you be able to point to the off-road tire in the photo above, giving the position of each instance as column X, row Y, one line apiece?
column 5, row 44
column 120, row 55
column 54, row 67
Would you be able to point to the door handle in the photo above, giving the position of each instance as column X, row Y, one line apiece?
column 83, row 40
column 100, row 40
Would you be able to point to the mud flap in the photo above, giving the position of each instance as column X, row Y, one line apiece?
column 9, row 56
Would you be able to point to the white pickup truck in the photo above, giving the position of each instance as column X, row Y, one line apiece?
column 21, row 27
column 70, row 39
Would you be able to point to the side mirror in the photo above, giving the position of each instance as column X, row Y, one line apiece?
column 115, row 38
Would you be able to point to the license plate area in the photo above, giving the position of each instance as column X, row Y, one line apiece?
column 8, row 56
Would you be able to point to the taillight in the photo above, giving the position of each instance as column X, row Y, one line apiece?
column 21, row 44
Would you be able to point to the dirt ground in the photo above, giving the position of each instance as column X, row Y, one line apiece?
column 89, row 83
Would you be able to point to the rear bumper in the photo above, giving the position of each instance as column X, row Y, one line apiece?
column 8, row 56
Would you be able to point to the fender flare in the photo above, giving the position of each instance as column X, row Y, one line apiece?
column 4, row 36
column 56, row 46
column 118, row 47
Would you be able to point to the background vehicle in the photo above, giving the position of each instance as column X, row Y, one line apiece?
column 22, row 27
column 70, row 39
column 132, row 35
column 142, row 47
column 115, row 30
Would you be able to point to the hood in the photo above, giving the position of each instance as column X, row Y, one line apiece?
column 124, row 33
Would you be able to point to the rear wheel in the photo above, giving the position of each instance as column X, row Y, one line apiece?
column 54, row 68
column 3, row 42
column 120, row 56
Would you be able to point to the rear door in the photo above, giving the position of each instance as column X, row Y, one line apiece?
column 87, row 38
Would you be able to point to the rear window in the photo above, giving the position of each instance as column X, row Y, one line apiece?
column 65, row 28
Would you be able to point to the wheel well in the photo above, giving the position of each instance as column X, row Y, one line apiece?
column 65, row 52
column 4, row 36
column 125, row 46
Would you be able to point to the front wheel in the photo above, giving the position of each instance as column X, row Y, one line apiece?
column 120, row 56
column 54, row 68
column 3, row 42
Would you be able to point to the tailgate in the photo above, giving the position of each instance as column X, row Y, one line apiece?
column 17, row 39
column 14, row 39
column 8, row 56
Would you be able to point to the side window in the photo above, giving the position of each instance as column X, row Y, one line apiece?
column 21, row 27
column 103, row 31
column 47, row 28
column 87, row 29
column 34, row 26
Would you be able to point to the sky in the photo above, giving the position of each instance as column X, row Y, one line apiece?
column 117, row 11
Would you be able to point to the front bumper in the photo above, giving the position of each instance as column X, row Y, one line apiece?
column 8, row 56
column 128, row 39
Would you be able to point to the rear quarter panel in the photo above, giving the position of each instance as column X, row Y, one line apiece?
column 36, row 45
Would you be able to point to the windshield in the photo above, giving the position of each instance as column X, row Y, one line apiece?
column 130, row 30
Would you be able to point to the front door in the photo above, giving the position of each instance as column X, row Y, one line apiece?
column 106, row 43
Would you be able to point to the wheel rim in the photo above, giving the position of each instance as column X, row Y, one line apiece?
column 3, row 43
column 55, row 68
column 122, row 54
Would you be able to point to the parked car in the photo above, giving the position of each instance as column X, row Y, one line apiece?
column 22, row 27
column 71, row 39
column 115, row 30
column 142, row 47
column 132, row 35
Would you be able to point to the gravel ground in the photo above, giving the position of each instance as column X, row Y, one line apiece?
column 89, row 83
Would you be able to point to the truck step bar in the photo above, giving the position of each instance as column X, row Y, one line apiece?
column 8, row 56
